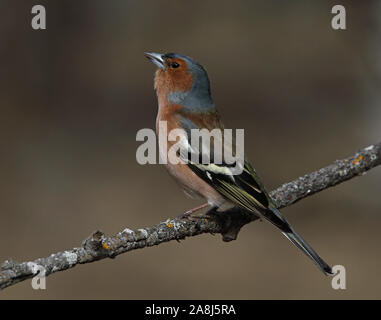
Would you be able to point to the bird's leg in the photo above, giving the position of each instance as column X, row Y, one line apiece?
column 207, row 215
column 188, row 213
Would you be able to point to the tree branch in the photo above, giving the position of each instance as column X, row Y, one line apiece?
column 98, row 247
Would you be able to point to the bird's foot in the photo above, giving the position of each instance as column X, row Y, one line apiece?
column 211, row 213
column 189, row 214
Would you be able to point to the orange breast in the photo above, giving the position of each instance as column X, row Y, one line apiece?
column 187, row 179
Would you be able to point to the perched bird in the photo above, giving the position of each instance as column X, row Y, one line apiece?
column 183, row 91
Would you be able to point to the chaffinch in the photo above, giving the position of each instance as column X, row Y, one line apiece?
column 184, row 99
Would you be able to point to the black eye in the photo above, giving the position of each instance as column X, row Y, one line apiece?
column 174, row 65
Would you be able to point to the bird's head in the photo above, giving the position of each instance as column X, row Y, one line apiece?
column 181, row 80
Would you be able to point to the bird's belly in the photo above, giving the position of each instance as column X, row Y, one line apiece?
column 186, row 178
column 195, row 186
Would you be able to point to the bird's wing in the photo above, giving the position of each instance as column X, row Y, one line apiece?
column 244, row 189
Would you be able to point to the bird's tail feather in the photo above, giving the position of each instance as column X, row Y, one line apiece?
column 276, row 218
column 308, row 251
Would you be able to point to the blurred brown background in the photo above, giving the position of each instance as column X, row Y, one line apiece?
column 72, row 98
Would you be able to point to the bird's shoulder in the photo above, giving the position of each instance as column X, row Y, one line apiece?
column 199, row 120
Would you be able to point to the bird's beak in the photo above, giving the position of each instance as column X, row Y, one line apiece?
column 156, row 58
